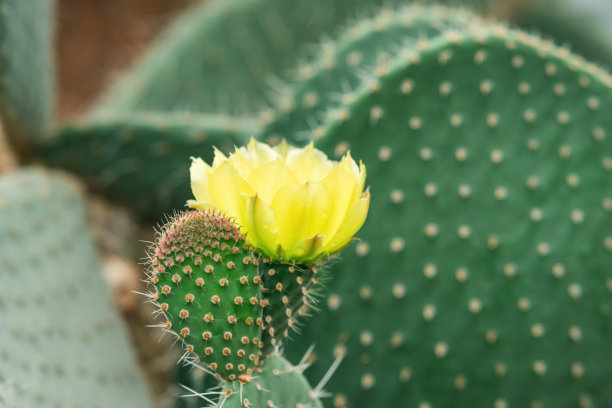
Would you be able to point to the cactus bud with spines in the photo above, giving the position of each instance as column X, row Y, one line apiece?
column 208, row 287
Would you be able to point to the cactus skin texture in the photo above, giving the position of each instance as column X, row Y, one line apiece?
column 26, row 73
column 142, row 160
column 327, row 81
column 291, row 291
column 62, row 341
column 10, row 395
column 208, row 287
column 276, row 384
column 482, row 276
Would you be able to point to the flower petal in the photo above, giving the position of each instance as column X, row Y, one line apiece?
column 226, row 187
column 351, row 224
column 199, row 172
column 283, row 149
column 219, row 158
column 241, row 163
column 258, row 153
column 201, row 205
column 308, row 163
column 260, row 225
column 342, row 183
column 269, row 178
column 301, row 211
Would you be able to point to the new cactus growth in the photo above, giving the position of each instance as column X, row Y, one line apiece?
column 208, row 287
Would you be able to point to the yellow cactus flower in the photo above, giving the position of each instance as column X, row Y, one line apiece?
column 294, row 204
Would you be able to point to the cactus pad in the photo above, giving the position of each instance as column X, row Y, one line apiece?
column 142, row 160
column 62, row 341
column 208, row 287
column 482, row 277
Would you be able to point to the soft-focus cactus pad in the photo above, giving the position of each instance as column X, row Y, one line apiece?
column 142, row 160
column 277, row 384
column 26, row 75
column 208, row 287
column 61, row 340
column 483, row 276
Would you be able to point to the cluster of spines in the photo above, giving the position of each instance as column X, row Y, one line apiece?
column 208, row 287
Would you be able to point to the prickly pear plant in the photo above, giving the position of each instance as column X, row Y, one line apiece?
column 25, row 69
column 483, row 267
column 62, row 341
column 230, row 310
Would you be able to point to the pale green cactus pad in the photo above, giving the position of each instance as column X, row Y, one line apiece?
column 62, row 341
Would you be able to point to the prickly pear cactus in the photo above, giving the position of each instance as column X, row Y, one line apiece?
column 26, row 74
column 482, row 277
column 142, row 159
column 208, row 287
column 62, row 341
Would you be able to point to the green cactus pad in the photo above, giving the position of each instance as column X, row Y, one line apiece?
column 142, row 160
column 208, row 287
column 483, row 274
column 328, row 81
column 291, row 293
column 276, row 384
column 62, row 341
column 26, row 74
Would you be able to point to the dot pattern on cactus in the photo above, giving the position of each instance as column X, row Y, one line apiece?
column 330, row 80
column 208, row 287
column 484, row 276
